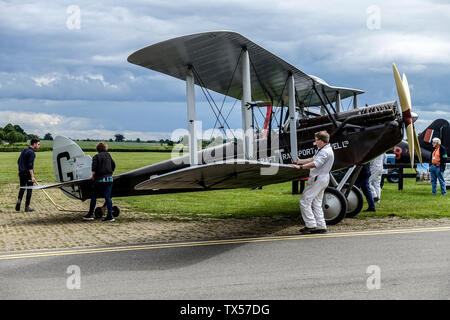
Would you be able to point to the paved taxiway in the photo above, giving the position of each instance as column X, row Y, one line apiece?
column 390, row 264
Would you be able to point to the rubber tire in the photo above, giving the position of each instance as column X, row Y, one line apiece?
column 115, row 211
column 355, row 194
column 393, row 176
column 334, row 206
column 98, row 212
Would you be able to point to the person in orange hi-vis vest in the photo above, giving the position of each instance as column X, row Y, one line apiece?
column 437, row 166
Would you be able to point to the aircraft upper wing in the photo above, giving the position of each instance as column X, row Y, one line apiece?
column 214, row 56
column 236, row 173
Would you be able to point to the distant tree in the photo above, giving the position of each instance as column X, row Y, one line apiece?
column 170, row 143
column 9, row 128
column 119, row 137
column 32, row 136
column 205, row 143
column 110, row 140
column 14, row 137
column 138, row 140
column 17, row 128
column 2, row 134
column 48, row 136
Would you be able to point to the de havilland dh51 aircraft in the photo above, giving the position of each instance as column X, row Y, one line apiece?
column 297, row 105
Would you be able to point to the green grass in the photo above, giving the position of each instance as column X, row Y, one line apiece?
column 415, row 201
column 273, row 201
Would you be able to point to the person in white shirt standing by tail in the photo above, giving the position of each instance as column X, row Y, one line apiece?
column 319, row 176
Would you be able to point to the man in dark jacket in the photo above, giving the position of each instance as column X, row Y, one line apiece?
column 102, row 169
column 26, row 173
column 362, row 182
column 437, row 166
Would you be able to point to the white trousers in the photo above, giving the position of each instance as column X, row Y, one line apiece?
column 311, row 202
column 375, row 182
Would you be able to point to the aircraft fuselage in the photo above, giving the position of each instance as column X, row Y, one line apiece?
column 360, row 136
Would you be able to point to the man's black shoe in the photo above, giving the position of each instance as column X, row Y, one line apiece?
column 319, row 231
column 28, row 209
column 370, row 210
column 109, row 219
column 88, row 217
column 18, row 206
column 306, row 230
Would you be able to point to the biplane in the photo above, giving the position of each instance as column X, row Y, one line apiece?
column 297, row 105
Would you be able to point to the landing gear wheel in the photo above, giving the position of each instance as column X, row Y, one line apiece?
column 355, row 201
column 115, row 211
column 98, row 212
column 334, row 206
column 393, row 177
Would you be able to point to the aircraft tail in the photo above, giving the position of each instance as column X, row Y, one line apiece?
column 439, row 128
column 70, row 163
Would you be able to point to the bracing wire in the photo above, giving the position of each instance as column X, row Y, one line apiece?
column 211, row 102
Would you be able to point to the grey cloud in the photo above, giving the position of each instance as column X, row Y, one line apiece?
column 42, row 59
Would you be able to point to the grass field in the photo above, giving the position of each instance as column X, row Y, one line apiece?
column 415, row 201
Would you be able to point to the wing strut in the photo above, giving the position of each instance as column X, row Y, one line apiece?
column 190, row 98
column 338, row 101
column 247, row 125
column 292, row 120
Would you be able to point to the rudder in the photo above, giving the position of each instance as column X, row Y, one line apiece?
column 70, row 163
column 439, row 128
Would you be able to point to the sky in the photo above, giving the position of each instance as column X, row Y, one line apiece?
column 64, row 69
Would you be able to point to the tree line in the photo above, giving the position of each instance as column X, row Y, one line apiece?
column 15, row 133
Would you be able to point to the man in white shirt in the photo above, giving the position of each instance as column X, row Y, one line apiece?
column 319, row 176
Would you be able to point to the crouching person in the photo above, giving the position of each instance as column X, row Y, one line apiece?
column 102, row 170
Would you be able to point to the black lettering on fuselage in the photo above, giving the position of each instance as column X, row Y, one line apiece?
column 58, row 162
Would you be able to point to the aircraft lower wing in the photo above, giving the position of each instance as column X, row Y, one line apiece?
column 224, row 175
column 58, row 185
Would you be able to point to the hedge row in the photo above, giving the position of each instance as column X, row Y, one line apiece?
column 18, row 149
